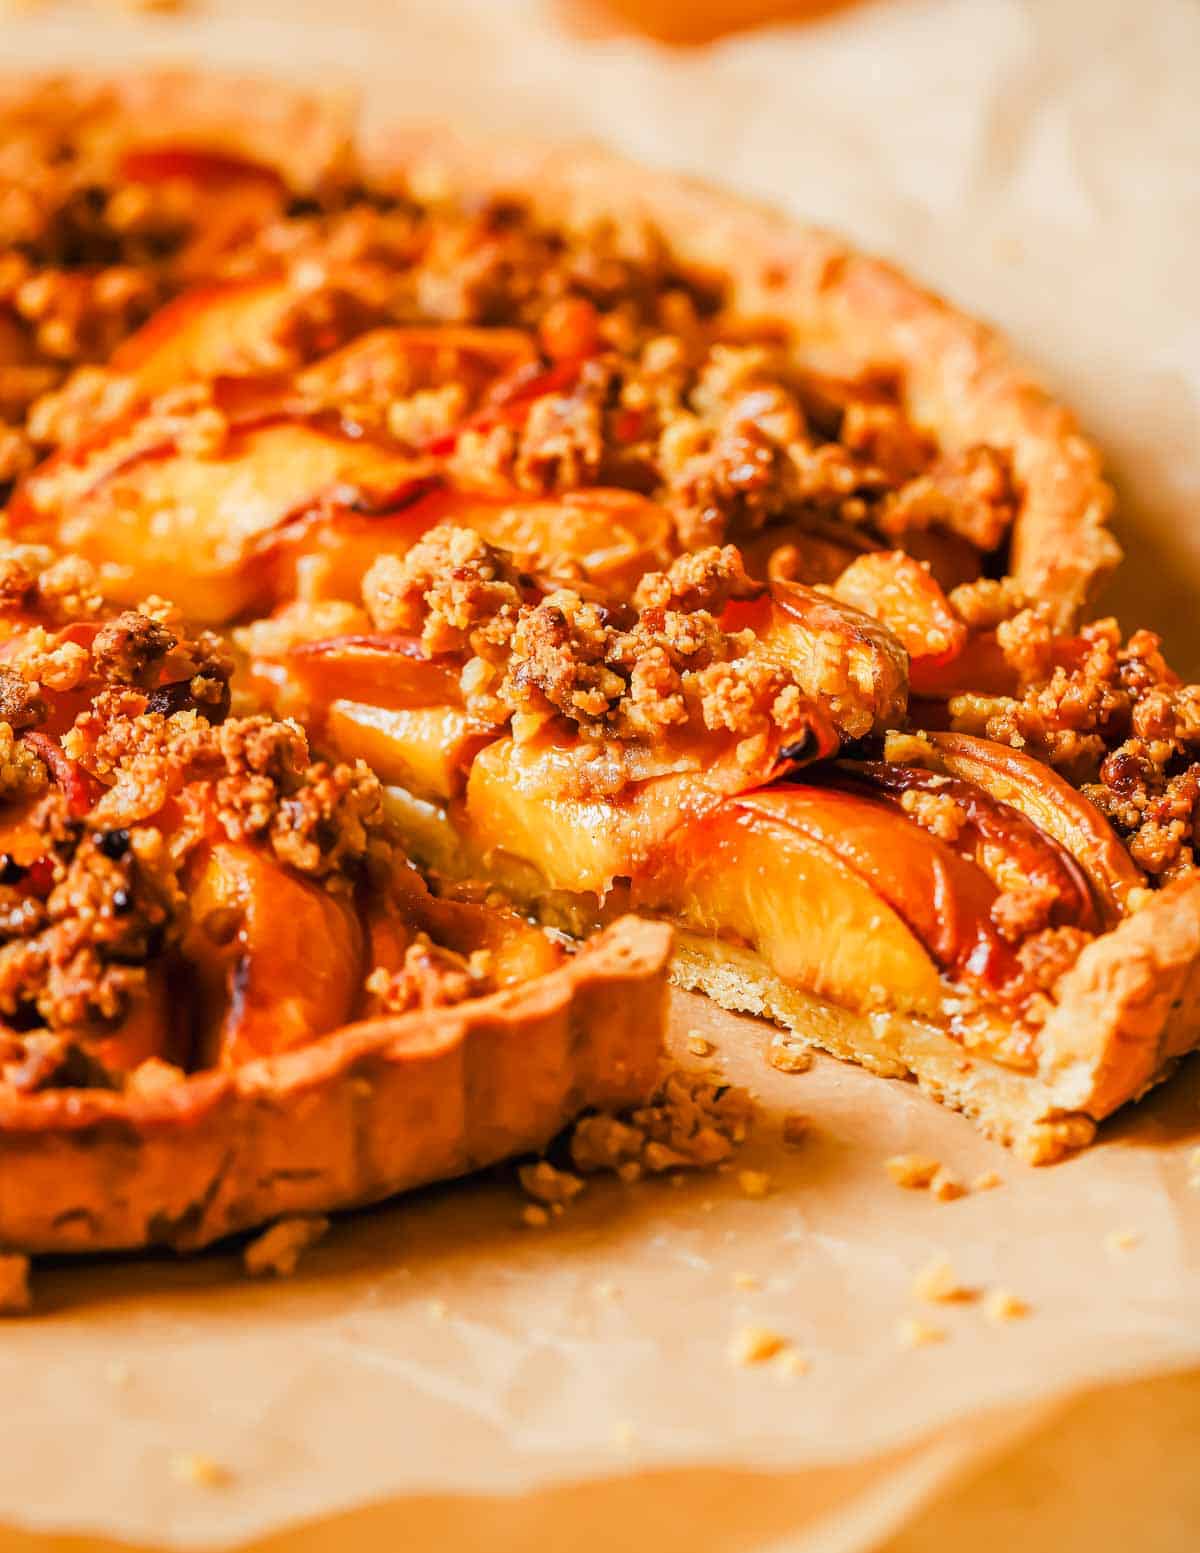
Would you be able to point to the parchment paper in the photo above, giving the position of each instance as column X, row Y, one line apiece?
column 1041, row 163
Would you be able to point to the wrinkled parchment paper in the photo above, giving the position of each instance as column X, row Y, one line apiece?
column 1041, row 164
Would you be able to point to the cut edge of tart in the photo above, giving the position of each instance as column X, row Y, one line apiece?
column 364, row 1112
column 851, row 311
column 957, row 911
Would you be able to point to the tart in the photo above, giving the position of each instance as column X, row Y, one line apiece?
column 658, row 554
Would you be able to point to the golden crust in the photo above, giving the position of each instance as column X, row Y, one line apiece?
column 850, row 312
column 306, row 135
column 372, row 1109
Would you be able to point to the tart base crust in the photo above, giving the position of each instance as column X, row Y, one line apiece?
column 373, row 1109
column 1127, row 1012
column 1014, row 1108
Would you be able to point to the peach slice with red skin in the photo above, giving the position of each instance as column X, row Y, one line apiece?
column 855, row 664
column 538, row 801
column 261, row 987
column 207, row 330
column 1053, row 805
column 945, row 899
column 742, row 873
column 204, row 523
column 903, row 594
column 990, row 829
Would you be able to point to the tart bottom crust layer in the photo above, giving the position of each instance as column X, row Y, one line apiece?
column 370, row 1110
column 1132, row 1016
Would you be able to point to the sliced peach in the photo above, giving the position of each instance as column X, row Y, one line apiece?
column 1053, row 805
column 851, row 663
column 200, row 165
column 744, row 873
column 213, row 328
column 534, row 800
column 614, row 536
column 149, row 1027
column 196, row 526
column 253, row 941
column 403, row 360
column 1005, row 842
column 943, row 898
column 388, row 669
column 426, row 749
column 902, row 593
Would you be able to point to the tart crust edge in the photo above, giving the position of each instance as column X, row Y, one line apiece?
column 851, row 309
column 362, row 1113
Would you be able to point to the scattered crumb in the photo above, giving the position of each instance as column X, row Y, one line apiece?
column 15, row 1298
column 755, row 1345
column 1121, row 1239
column 790, row 1363
column 624, row 1434
column 754, row 1183
column 698, row 1045
column 938, row 1282
column 438, row 1310
column 911, row 1332
column 913, row 1171
column 1194, row 1159
column 607, row 1290
column 795, row 1129
column 745, row 1281
column 197, row 1470
column 278, row 1250
column 533, row 1216
column 117, row 1372
column 789, row 1055
column 694, row 1122
column 987, row 1182
column 1001, row 1306
column 946, row 1186
column 545, row 1184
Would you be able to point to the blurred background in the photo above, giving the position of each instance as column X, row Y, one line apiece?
column 1037, row 160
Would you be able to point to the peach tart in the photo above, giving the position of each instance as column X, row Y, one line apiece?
column 622, row 550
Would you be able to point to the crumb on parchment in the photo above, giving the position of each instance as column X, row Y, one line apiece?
column 786, row 1054
column 912, row 1332
column 278, row 1250
column 913, row 1171
column 946, row 1186
column 755, row 1345
column 1001, row 1306
column 198, row 1470
column 15, row 1298
column 938, row 1283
